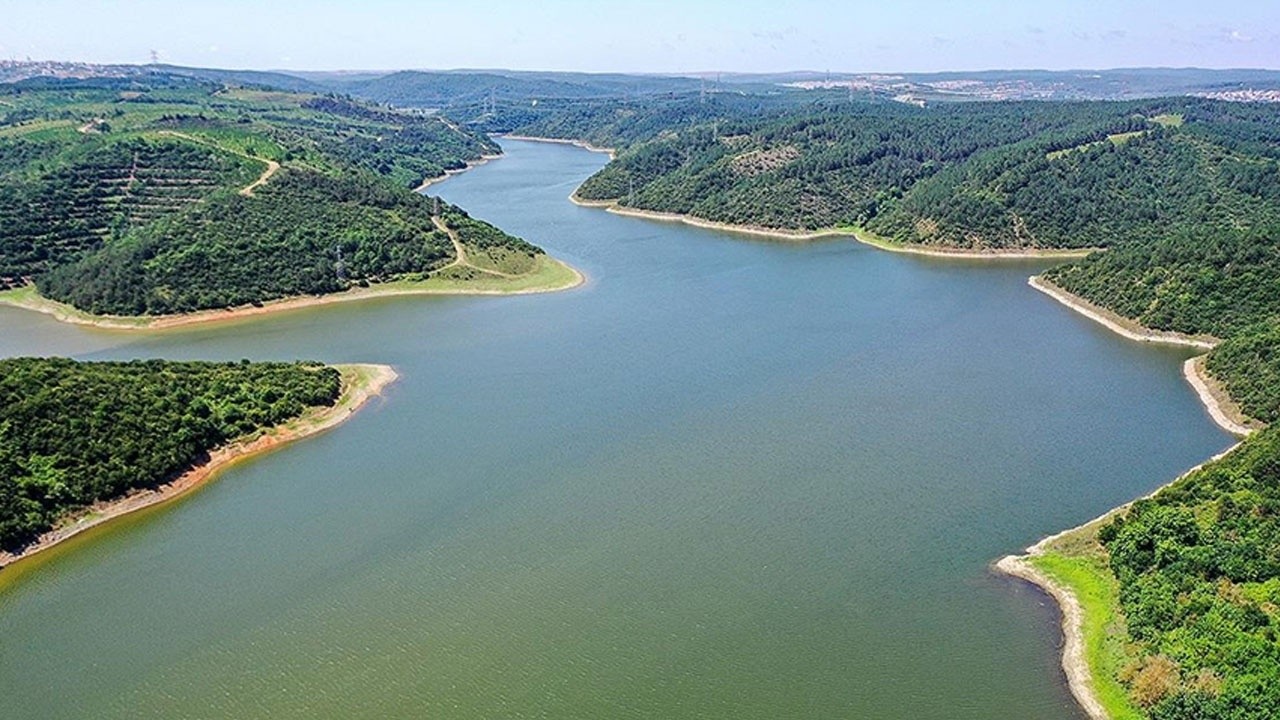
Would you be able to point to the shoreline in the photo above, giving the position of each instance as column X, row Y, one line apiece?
column 1221, row 409
column 1075, row 665
column 428, row 182
column 1215, row 398
column 28, row 299
column 611, row 152
column 1117, row 323
column 360, row 383
column 861, row 236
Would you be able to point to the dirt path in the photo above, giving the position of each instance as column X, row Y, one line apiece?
column 247, row 190
column 457, row 244
column 272, row 167
column 461, row 250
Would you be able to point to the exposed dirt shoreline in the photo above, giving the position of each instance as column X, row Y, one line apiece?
column 1117, row 323
column 611, row 152
column 1224, row 411
column 360, row 383
column 1215, row 399
column 1074, row 659
column 861, row 236
column 428, row 182
column 1074, row 664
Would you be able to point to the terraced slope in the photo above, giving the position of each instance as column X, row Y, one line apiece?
column 170, row 196
column 112, row 188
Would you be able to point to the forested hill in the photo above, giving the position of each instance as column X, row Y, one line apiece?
column 973, row 176
column 128, row 197
column 73, row 433
column 414, row 88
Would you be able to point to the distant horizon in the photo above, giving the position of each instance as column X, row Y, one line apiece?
column 649, row 36
column 676, row 73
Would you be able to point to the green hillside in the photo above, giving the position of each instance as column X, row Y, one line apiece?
column 167, row 194
column 74, row 433
column 975, row 176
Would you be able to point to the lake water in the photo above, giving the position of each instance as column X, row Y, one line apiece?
column 726, row 479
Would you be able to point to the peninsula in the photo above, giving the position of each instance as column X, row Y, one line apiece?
column 54, row 489
column 169, row 200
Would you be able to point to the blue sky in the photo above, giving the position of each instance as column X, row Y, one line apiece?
column 644, row 36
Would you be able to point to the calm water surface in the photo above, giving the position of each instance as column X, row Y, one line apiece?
column 726, row 479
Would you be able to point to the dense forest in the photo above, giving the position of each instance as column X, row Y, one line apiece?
column 73, row 433
column 1199, row 572
column 131, row 198
column 304, row 233
column 972, row 176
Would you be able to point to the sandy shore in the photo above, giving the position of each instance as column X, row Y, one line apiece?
column 1079, row 679
column 798, row 235
column 359, row 384
column 1021, row 254
column 1217, row 401
column 65, row 313
column 806, row 235
column 450, row 173
column 611, row 152
column 1117, row 323
column 1224, row 411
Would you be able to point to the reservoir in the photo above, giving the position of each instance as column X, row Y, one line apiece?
column 726, row 478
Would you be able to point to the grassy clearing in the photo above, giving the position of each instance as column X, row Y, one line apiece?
column 1119, row 139
column 269, row 97
column 1079, row 563
column 1169, row 119
column 501, row 259
column 1116, row 139
column 547, row 274
column 240, row 142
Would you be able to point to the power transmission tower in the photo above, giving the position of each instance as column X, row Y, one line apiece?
column 155, row 58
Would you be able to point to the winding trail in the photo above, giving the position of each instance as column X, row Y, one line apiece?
column 457, row 244
column 247, row 190
column 461, row 251
column 272, row 167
